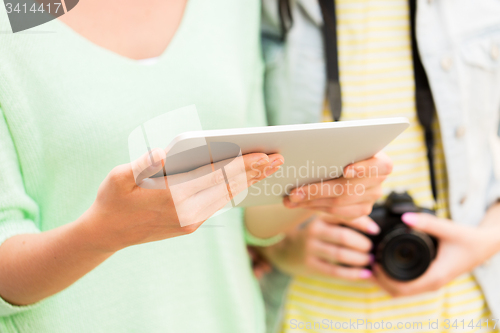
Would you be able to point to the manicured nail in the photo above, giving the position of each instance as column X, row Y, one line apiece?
column 410, row 219
column 372, row 259
column 277, row 162
column 262, row 161
column 373, row 228
column 365, row 274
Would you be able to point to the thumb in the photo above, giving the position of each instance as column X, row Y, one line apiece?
column 430, row 224
column 148, row 164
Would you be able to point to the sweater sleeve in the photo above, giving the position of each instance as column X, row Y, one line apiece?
column 18, row 212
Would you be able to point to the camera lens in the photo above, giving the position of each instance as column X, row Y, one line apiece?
column 406, row 254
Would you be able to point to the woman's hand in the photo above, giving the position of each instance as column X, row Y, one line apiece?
column 332, row 249
column 129, row 210
column 348, row 197
column 460, row 250
column 260, row 264
column 36, row 266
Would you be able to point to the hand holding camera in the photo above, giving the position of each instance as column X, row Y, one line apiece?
column 460, row 250
column 414, row 251
column 383, row 239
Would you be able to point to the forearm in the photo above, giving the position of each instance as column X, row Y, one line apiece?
column 36, row 266
column 269, row 221
column 287, row 255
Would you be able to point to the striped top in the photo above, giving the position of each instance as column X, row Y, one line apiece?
column 376, row 76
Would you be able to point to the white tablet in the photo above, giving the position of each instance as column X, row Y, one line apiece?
column 312, row 152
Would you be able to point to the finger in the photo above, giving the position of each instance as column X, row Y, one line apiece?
column 216, row 197
column 430, row 224
column 260, row 270
column 327, row 189
column 231, row 166
column 254, row 165
column 232, row 169
column 345, row 213
column 187, row 188
column 203, row 204
column 344, row 188
column 210, row 209
column 235, row 186
column 348, row 273
column 239, row 183
column 377, row 166
column 364, row 224
column 369, row 194
column 337, row 254
column 259, row 172
column 148, row 164
column 241, row 164
column 343, row 236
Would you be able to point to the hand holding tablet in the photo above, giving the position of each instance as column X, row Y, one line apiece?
column 313, row 153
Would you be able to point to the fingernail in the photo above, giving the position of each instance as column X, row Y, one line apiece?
column 298, row 195
column 156, row 164
column 373, row 228
column 365, row 274
column 233, row 187
column 156, row 156
column 277, row 162
column 410, row 219
column 220, row 178
column 262, row 161
column 350, row 172
column 372, row 259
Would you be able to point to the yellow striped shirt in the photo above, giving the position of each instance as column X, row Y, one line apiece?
column 376, row 76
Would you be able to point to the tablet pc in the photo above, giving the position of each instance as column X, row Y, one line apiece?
column 312, row 152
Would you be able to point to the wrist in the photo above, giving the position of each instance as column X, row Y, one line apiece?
column 487, row 242
column 490, row 227
column 92, row 234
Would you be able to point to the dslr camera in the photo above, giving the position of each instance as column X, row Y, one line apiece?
column 404, row 253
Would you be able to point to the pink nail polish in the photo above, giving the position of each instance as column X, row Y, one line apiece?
column 365, row 274
column 373, row 228
column 410, row 219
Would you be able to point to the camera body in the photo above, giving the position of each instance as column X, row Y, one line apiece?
column 404, row 253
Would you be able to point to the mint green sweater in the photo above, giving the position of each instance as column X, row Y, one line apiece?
column 67, row 108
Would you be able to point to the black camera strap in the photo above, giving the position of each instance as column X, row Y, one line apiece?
column 332, row 59
column 423, row 95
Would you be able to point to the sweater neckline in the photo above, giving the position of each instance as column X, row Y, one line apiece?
column 113, row 56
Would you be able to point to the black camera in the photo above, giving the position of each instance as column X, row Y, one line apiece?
column 404, row 253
